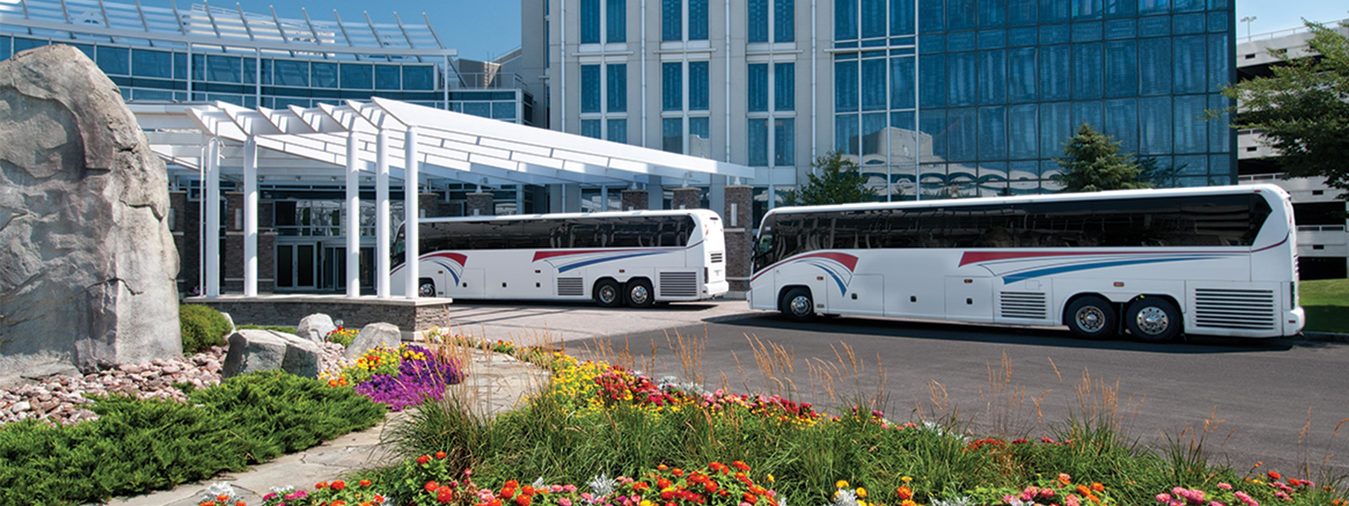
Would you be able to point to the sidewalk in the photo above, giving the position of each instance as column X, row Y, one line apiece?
column 495, row 382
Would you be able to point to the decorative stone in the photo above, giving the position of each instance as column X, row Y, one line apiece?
column 230, row 319
column 315, row 327
column 372, row 335
column 87, row 279
column 265, row 350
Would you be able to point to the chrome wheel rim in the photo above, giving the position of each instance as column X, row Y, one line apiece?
column 1090, row 319
column 800, row 305
column 1152, row 321
column 639, row 295
column 427, row 290
column 608, row 294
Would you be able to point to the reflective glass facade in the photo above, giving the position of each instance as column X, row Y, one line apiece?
column 987, row 92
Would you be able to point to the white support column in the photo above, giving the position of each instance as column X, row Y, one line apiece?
column 519, row 199
column 411, row 209
column 251, row 217
column 353, row 218
column 211, row 199
column 382, row 218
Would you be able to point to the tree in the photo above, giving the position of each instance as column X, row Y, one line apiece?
column 1302, row 108
column 835, row 180
column 1092, row 162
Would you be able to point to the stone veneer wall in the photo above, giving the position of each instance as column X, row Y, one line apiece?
column 635, row 200
column 409, row 316
column 739, row 235
column 687, row 198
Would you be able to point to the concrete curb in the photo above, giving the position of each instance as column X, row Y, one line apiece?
column 1332, row 337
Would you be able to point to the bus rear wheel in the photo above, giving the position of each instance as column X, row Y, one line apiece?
column 1092, row 317
column 426, row 288
column 608, row 293
column 798, row 304
column 639, row 293
column 1153, row 319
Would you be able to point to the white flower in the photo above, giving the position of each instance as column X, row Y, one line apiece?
column 602, row 485
column 845, row 497
column 954, row 501
column 218, row 489
column 538, row 483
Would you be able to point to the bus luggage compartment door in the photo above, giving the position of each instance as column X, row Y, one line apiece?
column 865, row 295
column 969, row 298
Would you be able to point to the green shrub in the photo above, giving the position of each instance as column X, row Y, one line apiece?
column 202, row 327
column 141, row 445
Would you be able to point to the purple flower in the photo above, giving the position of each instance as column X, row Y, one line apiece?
column 416, row 381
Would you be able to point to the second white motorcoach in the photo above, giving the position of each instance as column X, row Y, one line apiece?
column 637, row 258
column 1152, row 263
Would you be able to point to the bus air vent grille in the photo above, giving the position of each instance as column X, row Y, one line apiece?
column 1023, row 305
column 679, row 284
column 1235, row 309
column 717, row 258
column 570, row 287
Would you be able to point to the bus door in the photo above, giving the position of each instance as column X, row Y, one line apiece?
column 969, row 298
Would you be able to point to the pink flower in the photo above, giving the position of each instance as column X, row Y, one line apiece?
column 1225, row 486
column 1163, row 498
column 1245, row 498
column 564, row 502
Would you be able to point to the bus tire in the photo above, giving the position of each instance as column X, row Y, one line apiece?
column 1092, row 317
column 797, row 304
column 426, row 287
column 608, row 293
column 639, row 293
column 1153, row 319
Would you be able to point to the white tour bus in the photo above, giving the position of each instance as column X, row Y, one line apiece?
column 636, row 258
column 1215, row 261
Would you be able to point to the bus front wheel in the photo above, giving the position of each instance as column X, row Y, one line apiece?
column 426, row 288
column 797, row 304
column 608, row 293
column 1153, row 319
column 1091, row 317
column 639, row 293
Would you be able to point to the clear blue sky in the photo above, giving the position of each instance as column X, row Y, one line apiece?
column 481, row 29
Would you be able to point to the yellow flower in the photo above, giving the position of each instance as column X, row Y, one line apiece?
column 646, row 503
column 861, row 492
column 771, row 479
column 841, row 484
column 906, row 479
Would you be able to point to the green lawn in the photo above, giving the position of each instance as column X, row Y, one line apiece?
column 1327, row 304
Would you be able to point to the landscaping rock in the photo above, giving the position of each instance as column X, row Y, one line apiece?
column 229, row 319
column 87, row 279
column 372, row 335
column 266, row 350
column 315, row 327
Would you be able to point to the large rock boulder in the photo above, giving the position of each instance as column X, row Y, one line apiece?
column 87, row 262
column 372, row 335
column 267, row 350
column 315, row 327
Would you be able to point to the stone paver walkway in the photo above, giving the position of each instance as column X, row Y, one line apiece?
column 495, row 383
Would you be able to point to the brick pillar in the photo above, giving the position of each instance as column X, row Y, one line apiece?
column 266, row 262
column 739, row 216
column 232, row 253
column 481, row 204
column 185, row 232
column 430, row 205
column 687, row 198
column 634, row 200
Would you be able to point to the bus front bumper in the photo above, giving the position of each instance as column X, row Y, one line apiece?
column 1294, row 321
column 716, row 289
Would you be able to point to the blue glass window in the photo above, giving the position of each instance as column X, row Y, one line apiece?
column 1153, row 6
column 1118, row 9
column 1154, row 118
column 1021, row 131
column 323, row 75
column 784, row 86
column 845, row 86
column 617, row 87
column 419, row 77
column 700, row 130
column 1087, row 71
column 758, row 87
column 993, row 12
column 1022, row 13
column 1220, row 135
column 697, row 19
column 1154, row 69
column 592, row 128
column 180, row 66
column 503, row 110
column 758, row 142
column 590, row 21
column 357, row 76
column 672, row 135
column 616, row 21
column 932, row 80
column 757, row 13
column 992, row 133
column 387, row 77
column 1086, row 9
column 1021, row 75
column 845, row 134
column 873, row 18
column 931, row 16
column 1088, row 113
column 1191, row 73
column 784, row 20
column 962, row 135
column 224, row 69
column 992, row 77
column 251, row 72
column 672, row 86
column 1053, row 11
column 23, row 44
column 484, row 109
column 144, row 62
column 699, row 86
column 590, row 88
column 1121, row 122
column 873, row 85
column 933, row 123
column 901, row 17
column 1056, row 127
column 961, row 14
column 672, row 20
column 115, row 60
column 1191, row 127
column 1054, row 68
column 873, row 143
column 618, row 130
column 960, row 70
column 4, row 48
column 901, row 83
column 784, row 142
column 1188, row 5
column 1219, row 71
column 292, row 73
column 845, row 19
column 1121, row 68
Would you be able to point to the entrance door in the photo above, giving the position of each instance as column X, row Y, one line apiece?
column 335, row 269
column 296, row 266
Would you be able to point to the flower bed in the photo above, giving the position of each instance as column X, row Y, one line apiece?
column 399, row 378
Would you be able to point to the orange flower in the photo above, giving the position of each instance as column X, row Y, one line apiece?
column 364, row 483
column 1274, row 475
column 440, row 455
column 1065, row 479
column 1083, row 491
column 523, row 500
column 905, row 493
column 431, row 486
column 1097, row 487
column 338, row 485
column 338, row 503
column 321, row 485
column 240, row 503
column 741, row 465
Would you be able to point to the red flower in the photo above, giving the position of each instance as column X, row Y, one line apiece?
column 440, row 455
column 321, row 485
column 424, row 459
column 523, row 500
column 750, row 498
column 444, row 495
column 431, row 486
column 677, row 472
column 338, row 485
column 741, row 466
column 364, row 483
column 1274, row 475
column 663, row 483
